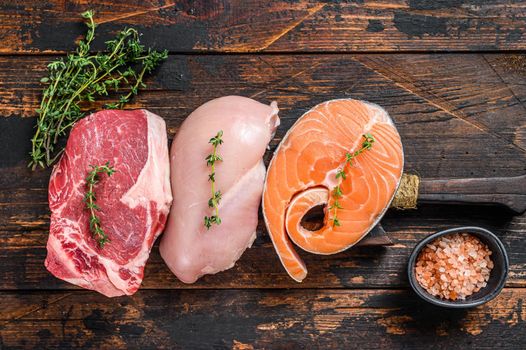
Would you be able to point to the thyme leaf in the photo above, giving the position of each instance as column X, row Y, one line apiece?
column 336, row 192
column 89, row 198
column 82, row 78
column 211, row 160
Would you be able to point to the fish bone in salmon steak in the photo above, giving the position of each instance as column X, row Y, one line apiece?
column 134, row 202
column 302, row 175
column 190, row 249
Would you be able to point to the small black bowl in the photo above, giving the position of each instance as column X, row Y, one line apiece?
column 497, row 277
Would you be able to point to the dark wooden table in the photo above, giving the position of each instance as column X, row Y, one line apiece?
column 451, row 74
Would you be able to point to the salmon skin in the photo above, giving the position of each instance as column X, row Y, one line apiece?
column 302, row 174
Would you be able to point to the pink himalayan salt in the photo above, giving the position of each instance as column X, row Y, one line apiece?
column 454, row 266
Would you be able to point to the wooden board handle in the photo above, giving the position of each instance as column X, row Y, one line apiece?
column 506, row 191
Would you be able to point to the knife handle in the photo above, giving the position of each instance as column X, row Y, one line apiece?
column 507, row 191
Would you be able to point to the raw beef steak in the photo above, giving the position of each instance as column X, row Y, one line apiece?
column 134, row 201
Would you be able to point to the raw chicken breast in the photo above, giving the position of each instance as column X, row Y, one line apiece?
column 187, row 247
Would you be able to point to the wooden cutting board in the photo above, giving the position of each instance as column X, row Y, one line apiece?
column 449, row 72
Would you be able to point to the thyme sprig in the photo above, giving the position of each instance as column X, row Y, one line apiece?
column 211, row 160
column 336, row 192
column 80, row 78
column 91, row 180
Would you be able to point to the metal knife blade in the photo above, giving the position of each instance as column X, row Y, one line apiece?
column 376, row 237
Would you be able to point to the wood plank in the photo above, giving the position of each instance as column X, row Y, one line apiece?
column 22, row 255
column 459, row 116
column 275, row 26
column 431, row 97
column 233, row 319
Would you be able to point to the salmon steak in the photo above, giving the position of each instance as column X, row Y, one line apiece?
column 306, row 170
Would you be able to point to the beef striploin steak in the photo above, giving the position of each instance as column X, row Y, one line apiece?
column 134, row 202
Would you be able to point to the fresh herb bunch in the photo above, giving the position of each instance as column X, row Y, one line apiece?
column 340, row 174
column 82, row 77
column 211, row 160
column 91, row 180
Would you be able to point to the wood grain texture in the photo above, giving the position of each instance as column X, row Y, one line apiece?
column 509, row 192
column 28, row 26
column 22, row 255
column 459, row 116
column 444, row 105
column 257, row 319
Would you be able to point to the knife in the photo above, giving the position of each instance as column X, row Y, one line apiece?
column 509, row 192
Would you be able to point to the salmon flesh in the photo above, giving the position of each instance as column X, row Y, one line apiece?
column 302, row 175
